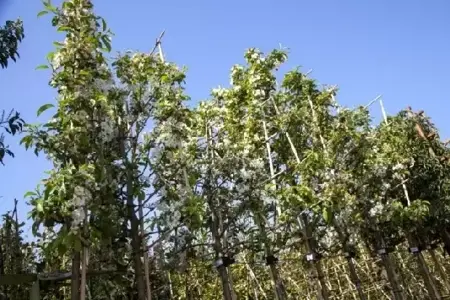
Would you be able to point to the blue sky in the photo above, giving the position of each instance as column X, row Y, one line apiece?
column 400, row 49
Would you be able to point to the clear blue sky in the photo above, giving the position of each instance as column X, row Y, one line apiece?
column 400, row 49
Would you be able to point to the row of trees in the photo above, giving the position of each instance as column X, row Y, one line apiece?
column 278, row 173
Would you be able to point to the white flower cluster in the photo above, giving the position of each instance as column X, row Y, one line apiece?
column 253, row 172
column 254, row 78
column 81, row 197
column 257, row 163
column 69, row 12
column 254, row 55
column 57, row 60
column 236, row 74
column 376, row 210
column 219, row 92
column 108, row 131
column 138, row 59
column 380, row 171
column 167, row 137
column 398, row 167
column 329, row 239
column 385, row 187
column 259, row 94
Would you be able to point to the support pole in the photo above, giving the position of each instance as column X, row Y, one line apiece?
column 35, row 291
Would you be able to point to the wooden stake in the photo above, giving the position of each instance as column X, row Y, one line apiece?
column 372, row 102
column 254, row 278
column 383, row 111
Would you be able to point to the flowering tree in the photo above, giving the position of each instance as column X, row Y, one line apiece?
column 80, row 140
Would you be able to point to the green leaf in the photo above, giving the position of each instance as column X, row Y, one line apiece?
column 44, row 108
column 44, row 12
column 42, row 67
column 39, row 206
column 27, row 140
column 29, row 194
column 67, row 5
column 327, row 214
column 165, row 78
column 50, row 56
column 141, row 196
column 106, row 41
column 64, row 28
column 104, row 24
column 49, row 6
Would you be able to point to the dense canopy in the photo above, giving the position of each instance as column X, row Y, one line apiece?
column 270, row 189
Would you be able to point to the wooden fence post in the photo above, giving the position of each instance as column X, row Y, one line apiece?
column 35, row 291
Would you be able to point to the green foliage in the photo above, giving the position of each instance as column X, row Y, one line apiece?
column 12, row 123
column 10, row 36
column 261, row 169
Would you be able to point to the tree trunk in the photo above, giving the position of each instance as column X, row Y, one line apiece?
column 445, row 236
column 355, row 278
column 351, row 265
column 397, row 292
column 227, row 294
column 75, row 280
column 137, row 248
column 392, row 276
column 136, row 242
column 317, row 272
column 85, row 258
column 223, row 274
column 144, row 250
column 440, row 269
column 430, row 284
column 221, row 268
column 279, row 288
column 84, row 265
column 230, row 278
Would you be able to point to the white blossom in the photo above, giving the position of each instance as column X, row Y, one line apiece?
column 57, row 60
column 81, row 196
column 257, row 163
column 398, row 167
column 376, row 210
column 108, row 131
column 259, row 93
column 219, row 92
